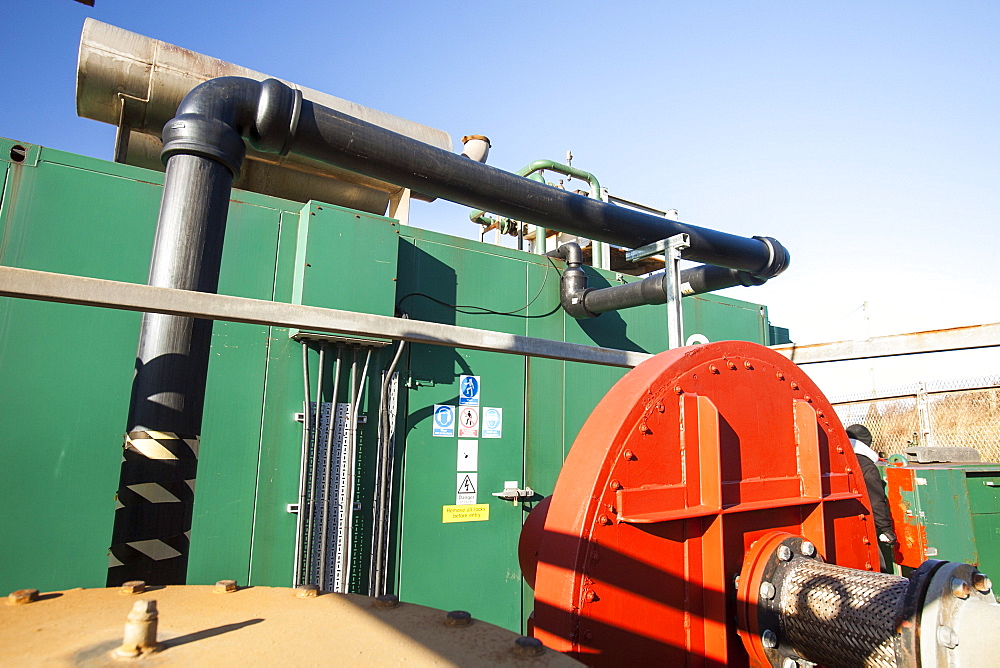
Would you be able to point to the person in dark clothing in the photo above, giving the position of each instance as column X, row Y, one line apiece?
column 861, row 441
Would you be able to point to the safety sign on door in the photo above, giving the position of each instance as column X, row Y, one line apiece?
column 468, row 455
column 444, row 420
column 492, row 422
column 466, row 494
column 468, row 422
column 468, row 390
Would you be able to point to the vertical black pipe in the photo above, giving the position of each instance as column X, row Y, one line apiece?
column 156, row 487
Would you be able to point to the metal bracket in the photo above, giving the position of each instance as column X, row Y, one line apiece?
column 511, row 492
column 671, row 249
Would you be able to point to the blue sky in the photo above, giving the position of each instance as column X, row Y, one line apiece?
column 862, row 135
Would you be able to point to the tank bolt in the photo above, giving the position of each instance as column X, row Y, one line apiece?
column 590, row 596
column 616, row 484
column 808, row 398
column 307, row 591
column 713, row 369
column 629, row 455
column 386, row 601
column 807, row 548
column 795, row 385
column 225, row 586
column 960, row 588
column 780, row 376
column 784, row 553
column 789, row 662
column 22, row 596
column 525, row 646
column 731, row 364
column 981, row 582
column 603, row 520
column 140, row 629
column 133, row 587
column 458, row 618
column 677, row 390
column 588, row 635
column 769, row 638
column 766, row 590
column 747, row 365
column 947, row 637
column 736, row 583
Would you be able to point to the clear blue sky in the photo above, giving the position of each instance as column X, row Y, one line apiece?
column 862, row 135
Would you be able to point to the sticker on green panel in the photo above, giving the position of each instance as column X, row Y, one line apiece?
column 492, row 422
column 467, row 483
column 468, row 455
column 468, row 422
column 465, row 513
column 468, row 390
column 444, row 420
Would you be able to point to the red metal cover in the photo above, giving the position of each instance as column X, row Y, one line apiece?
column 688, row 460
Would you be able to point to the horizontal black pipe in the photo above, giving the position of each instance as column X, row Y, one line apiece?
column 581, row 301
column 258, row 111
column 338, row 139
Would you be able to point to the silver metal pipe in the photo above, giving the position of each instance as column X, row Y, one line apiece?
column 385, row 453
column 314, row 477
column 303, row 471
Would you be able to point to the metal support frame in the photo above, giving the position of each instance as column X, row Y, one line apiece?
column 68, row 289
column 671, row 248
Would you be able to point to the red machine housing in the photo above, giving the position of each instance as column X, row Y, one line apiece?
column 689, row 459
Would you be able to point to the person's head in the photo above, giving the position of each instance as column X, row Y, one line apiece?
column 859, row 432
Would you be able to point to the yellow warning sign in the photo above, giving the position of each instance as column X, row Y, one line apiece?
column 465, row 513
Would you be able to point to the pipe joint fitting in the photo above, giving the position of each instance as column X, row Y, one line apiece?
column 777, row 262
column 277, row 117
column 573, row 284
column 196, row 134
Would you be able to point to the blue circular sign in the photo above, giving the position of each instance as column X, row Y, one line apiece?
column 470, row 387
column 444, row 416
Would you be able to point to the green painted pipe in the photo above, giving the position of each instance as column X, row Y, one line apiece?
column 533, row 171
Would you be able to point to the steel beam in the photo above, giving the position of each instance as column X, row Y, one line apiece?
column 67, row 289
column 934, row 341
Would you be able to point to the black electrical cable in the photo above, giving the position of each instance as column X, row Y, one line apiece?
column 482, row 310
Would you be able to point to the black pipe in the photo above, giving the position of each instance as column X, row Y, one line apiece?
column 338, row 139
column 203, row 151
column 581, row 301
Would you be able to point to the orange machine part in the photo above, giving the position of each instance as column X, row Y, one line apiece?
column 686, row 462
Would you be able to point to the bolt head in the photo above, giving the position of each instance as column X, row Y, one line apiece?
column 784, row 553
column 807, row 548
column 525, row 646
column 616, row 484
column 769, row 638
column 133, row 587
column 307, row 591
column 386, row 601
column 981, row 582
column 789, row 662
column 225, row 586
column 458, row 618
column 960, row 588
column 603, row 520
column 590, row 596
column 767, row 590
column 947, row 637
column 629, row 455
column 22, row 596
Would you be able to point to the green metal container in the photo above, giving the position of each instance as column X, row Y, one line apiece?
column 66, row 373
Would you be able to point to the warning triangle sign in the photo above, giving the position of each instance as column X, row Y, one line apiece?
column 467, row 486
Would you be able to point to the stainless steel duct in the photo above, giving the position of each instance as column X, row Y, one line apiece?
column 136, row 83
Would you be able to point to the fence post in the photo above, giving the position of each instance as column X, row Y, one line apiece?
column 924, row 415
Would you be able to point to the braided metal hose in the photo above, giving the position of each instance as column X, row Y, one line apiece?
column 843, row 615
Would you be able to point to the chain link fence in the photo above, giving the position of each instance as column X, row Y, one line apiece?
column 962, row 413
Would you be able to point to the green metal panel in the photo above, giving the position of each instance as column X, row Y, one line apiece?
column 64, row 411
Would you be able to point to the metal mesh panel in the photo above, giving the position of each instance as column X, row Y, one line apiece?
column 962, row 413
column 840, row 616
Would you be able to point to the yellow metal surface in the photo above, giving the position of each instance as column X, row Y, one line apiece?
column 254, row 626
